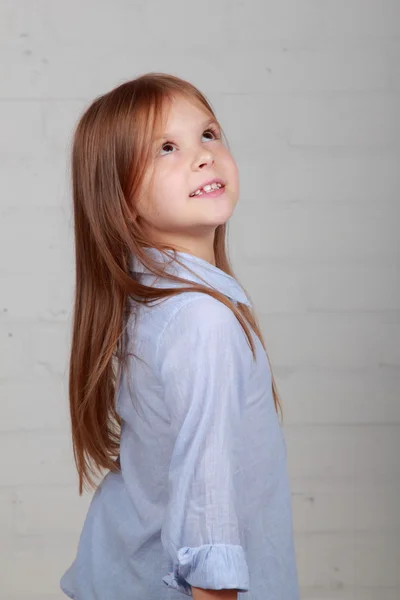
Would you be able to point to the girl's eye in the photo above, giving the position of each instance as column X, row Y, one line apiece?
column 211, row 130
column 166, row 145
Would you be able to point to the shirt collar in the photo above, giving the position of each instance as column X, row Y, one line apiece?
column 204, row 273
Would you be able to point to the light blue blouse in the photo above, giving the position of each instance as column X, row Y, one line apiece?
column 203, row 497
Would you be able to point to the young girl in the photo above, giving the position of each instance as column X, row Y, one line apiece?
column 170, row 385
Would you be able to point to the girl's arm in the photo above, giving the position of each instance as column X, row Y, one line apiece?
column 205, row 363
column 200, row 594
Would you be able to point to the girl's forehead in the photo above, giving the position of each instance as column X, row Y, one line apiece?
column 178, row 105
column 176, row 109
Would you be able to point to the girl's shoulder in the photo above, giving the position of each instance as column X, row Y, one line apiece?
column 191, row 309
column 197, row 317
column 181, row 314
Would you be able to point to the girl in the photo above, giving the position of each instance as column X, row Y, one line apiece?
column 170, row 386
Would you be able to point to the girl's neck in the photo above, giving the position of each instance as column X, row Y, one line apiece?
column 202, row 248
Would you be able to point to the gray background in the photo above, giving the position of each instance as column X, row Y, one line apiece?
column 308, row 93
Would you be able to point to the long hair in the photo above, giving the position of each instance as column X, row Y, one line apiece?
column 111, row 152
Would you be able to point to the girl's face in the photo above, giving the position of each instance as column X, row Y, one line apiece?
column 190, row 155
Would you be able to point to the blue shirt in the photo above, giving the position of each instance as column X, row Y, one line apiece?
column 203, row 496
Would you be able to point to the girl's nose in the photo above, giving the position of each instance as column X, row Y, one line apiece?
column 204, row 158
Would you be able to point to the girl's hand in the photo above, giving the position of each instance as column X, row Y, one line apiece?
column 201, row 594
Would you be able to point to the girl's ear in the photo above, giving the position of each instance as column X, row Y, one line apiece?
column 133, row 216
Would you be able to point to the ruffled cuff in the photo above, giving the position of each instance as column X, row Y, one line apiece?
column 211, row 566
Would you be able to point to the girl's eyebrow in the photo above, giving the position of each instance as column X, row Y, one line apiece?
column 204, row 124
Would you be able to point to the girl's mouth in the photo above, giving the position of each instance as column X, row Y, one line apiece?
column 213, row 193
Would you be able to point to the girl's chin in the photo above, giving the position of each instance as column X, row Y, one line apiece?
column 213, row 206
column 217, row 214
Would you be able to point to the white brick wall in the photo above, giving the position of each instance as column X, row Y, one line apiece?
column 308, row 93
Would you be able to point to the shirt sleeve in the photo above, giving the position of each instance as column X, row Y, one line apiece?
column 204, row 363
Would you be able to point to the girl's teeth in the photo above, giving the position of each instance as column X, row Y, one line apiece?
column 208, row 188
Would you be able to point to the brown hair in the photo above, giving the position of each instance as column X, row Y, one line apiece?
column 111, row 152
